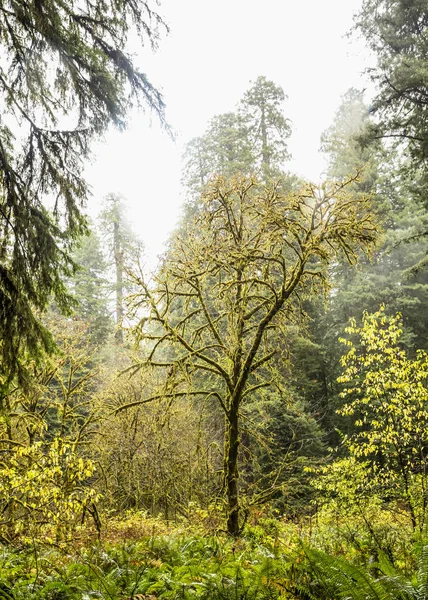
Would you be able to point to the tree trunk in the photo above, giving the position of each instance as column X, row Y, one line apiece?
column 118, row 259
column 232, row 472
column 265, row 148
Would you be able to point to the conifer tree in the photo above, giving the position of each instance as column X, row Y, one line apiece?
column 387, row 278
column 90, row 288
column 251, row 140
column 65, row 75
column 123, row 249
column 397, row 31
column 268, row 129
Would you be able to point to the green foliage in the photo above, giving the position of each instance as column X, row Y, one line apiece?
column 390, row 277
column 164, row 567
column 252, row 140
column 335, row 578
column 66, row 75
column 90, row 289
column 267, row 563
column 45, row 432
column 267, row 128
column 387, row 395
column 281, row 440
column 123, row 249
column 44, row 485
column 351, row 518
column 397, row 31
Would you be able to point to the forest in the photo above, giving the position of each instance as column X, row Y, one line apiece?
column 250, row 420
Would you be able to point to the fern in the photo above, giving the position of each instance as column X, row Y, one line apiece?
column 327, row 577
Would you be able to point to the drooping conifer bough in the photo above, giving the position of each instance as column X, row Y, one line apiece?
column 65, row 75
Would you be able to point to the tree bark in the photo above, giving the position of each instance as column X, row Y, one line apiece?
column 118, row 259
column 232, row 471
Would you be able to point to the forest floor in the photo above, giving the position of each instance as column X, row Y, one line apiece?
column 143, row 558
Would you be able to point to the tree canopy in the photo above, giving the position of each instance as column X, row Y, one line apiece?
column 213, row 319
column 65, row 76
column 397, row 31
column 250, row 141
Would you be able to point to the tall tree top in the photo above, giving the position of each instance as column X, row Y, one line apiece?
column 397, row 31
column 250, row 140
column 268, row 129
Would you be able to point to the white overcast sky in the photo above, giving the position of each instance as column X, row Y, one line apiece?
column 213, row 52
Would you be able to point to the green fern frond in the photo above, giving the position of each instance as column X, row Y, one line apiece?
column 342, row 580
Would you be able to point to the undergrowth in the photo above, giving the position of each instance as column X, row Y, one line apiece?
column 146, row 559
column 158, row 567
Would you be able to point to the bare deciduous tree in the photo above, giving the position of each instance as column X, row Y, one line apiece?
column 213, row 317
